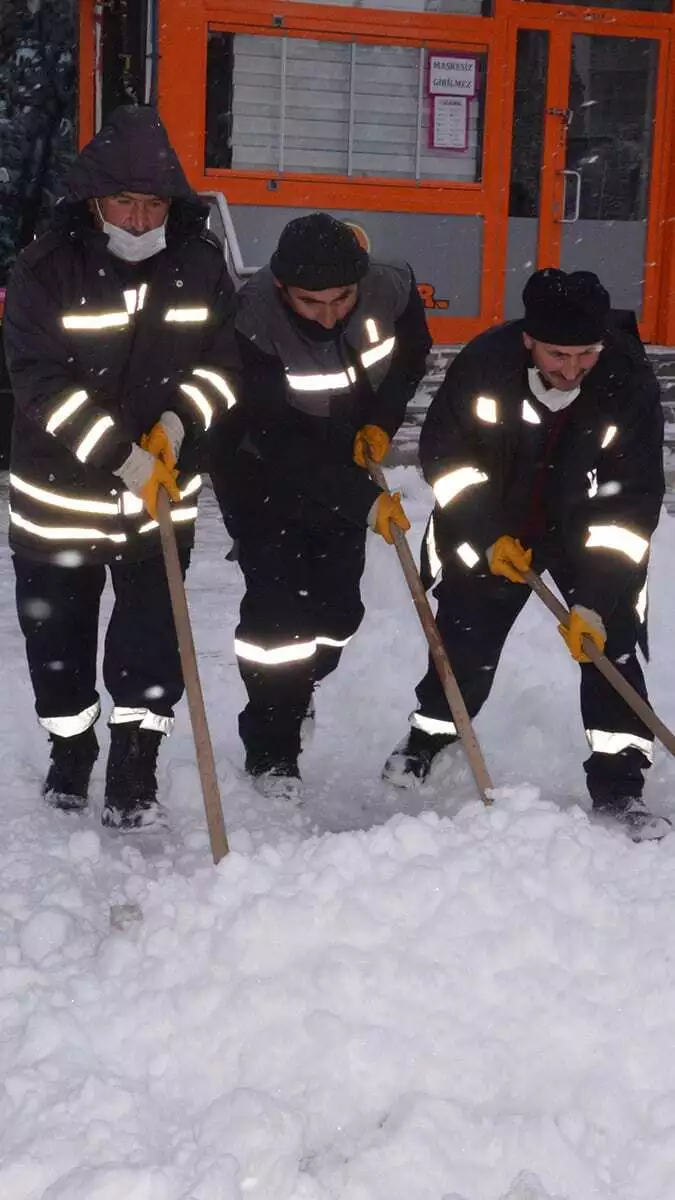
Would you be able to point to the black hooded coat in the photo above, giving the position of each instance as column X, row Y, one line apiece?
column 98, row 348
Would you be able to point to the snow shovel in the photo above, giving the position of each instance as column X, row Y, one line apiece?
column 606, row 668
column 188, row 659
column 450, row 686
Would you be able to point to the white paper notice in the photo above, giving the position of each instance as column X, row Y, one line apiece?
column 450, row 123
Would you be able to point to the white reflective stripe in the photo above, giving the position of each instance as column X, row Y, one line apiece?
column 191, row 316
column 370, row 357
column 530, row 414
column 292, row 652
column 109, row 320
column 192, row 485
column 219, row 383
column 200, row 400
column 58, row 532
column 449, row 486
column 321, row 383
column 486, row 409
column 142, row 293
column 372, row 331
column 592, row 477
column 602, row 741
column 177, row 515
column 131, row 299
column 93, row 437
column 435, row 564
column 67, row 727
column 432, row 724
column 468, row 554
column 617, row 537
column 327, row 641
column 641, row 603
column 58, row 501
column 610, row 433
column 143, row 716
column 66, row 409
column 131, row 505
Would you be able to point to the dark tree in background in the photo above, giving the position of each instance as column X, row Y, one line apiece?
column 38, row 101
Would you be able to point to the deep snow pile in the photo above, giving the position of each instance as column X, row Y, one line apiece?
column 469, row 1004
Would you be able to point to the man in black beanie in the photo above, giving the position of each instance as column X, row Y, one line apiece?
column 544, row 447
column 333, row 347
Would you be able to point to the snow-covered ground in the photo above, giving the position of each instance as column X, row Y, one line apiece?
column 361, row 1002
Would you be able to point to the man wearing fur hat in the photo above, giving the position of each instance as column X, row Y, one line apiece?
column 333, row 346
column 544, row 447
column 120, row 346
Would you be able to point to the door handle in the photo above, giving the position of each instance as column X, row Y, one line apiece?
column 576, row 175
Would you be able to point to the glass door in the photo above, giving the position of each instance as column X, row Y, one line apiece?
column 587, row 127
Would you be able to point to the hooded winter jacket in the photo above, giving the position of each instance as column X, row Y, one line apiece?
column 306, row 391
column 591, row 477
column 98, row 348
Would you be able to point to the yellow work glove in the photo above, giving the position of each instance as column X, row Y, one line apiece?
column 370, row 442
column 583, row 622
column 161, row 477
column 508, row 558
column 165, row 439
column 143, row 474
column 388, row 508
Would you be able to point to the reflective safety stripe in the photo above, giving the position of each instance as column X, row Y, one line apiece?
column 66, row 409
column 135, row 300
column 432, row 724
column 55, row 500
column 435, row 564
column 370, row 357
column 372, row 331
column 641, row 603
column 57, row 533
column 67, row 727
column 617, row 537
column 332, row 381
column 592, row 477
column 192, row 485
column 219, row 383
column 486, row 410
column 189, row 316
column 530, row 414
column 109, row 320
column 449, row 486
column 468, row 554
column 131, row 505
column 292, row 652
column 93, row 437
column 603, row 742
column 200, row 400
column 610, row 433
column 143, row 716
column 322, row 640
column 177, row 515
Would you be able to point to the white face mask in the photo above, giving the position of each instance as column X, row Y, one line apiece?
column 553, row 398
column 133, row 247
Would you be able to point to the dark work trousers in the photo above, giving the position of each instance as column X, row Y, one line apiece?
column 302, row 584
column 58, row 610
column 476, row 610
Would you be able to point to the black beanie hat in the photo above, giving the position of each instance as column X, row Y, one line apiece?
column 317, row 252
column 565, row 310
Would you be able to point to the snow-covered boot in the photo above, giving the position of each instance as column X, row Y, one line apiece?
column 131, row 779
column 277, row 777
column 632, row 812
column 411, row 760
column 72, row 762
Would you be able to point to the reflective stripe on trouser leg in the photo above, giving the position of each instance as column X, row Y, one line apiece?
column 68, row 727
column 602, row 741
column 142, row 716
column 432, row 725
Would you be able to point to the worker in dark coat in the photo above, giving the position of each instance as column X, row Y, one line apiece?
column 544, row 446
column 119, row 341
column 333, row 346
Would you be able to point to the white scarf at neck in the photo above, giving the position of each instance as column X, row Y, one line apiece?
column 551, row 397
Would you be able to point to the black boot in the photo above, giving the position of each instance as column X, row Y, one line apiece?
column 411, row 760
column 275, row 772
column 131, row 779
column 72, row 762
